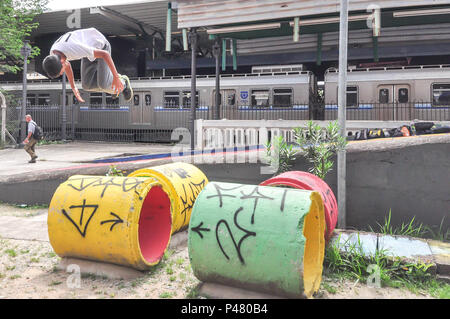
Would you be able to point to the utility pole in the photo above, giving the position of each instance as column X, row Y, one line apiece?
column 216, row 53
column 25, row 52
column 64, row 115
column 342, row 103
column 193, row 40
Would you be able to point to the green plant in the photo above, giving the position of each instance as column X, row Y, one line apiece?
column 410, row 229
column 439, row 234
column 11, row 252
column 279, row 154
column 114, row 171
column 319, row 145
column 48, row 142
column 165, row 295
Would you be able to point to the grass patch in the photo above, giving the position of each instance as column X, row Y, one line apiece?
column 329, row 288
column 165, row 295
column 169, row 271
column 11, row 252
column 348, row 261
column 55, row 283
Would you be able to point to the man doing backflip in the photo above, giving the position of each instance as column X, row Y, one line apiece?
column 98, row 72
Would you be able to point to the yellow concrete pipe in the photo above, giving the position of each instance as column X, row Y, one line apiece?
column 184, row 182
column 121, row 220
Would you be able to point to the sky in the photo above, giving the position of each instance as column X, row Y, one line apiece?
column 56, row 5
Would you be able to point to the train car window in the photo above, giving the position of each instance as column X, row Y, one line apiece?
column 260, row 98
column 95, row 100
column 352, row 96
column 187, row 99
column 403, row 95
column 231, row 99
column 43, row 99
column 172, row 99
column 112, row 100
column 383, row 96
column 441, row 94
column 282, row 97
column 31, row 99
column 136, row 100
column 148, row 99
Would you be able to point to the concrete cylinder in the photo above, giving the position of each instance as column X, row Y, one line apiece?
column 266, row 239
column 183, row 182
column 308, row 181
column 121, row 220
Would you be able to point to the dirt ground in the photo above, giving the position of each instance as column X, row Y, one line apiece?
column 28, row 270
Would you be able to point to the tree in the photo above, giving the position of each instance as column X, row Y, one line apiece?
column 16, row 24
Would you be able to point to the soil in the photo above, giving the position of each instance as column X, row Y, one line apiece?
column 28, row 270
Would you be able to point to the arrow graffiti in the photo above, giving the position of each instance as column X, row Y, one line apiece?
column 114, row 222
column 198, row 229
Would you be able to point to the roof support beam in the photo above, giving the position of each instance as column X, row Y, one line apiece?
column 127, row 23
column 319, row 49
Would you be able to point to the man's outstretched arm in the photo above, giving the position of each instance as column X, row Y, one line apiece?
column 69, row 73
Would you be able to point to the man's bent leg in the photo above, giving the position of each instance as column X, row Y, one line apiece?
column 104, row 75
column 89, row 75
column 29, row 148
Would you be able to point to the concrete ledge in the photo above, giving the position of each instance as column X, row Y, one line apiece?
column 100, row 269
column 112, row 271
column 218, row 291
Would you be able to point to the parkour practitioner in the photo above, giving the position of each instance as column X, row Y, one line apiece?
column 98, row 72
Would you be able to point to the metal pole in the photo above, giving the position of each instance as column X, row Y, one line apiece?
column 342, row 102
column 216, row 51
column 169, row 27
column 25, row 51
column 64, row 115
column 3, row 108
column 193, row 39
column 73, row 121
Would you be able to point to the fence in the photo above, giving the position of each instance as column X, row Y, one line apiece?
column 126, row 123
column 218, row 134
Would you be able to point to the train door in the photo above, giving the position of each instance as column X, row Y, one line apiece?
column 141, row 111
column 393, row 100
column 227, row 102
column 402, row 99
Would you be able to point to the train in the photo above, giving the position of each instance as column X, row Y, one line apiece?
column 161, row 104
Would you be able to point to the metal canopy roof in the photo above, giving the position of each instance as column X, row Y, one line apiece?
column 205, row 13
column 120, row 20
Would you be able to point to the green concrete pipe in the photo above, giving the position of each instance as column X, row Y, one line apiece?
column 261, row 238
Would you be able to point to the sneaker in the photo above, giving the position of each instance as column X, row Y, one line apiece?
column 33, row 160
column 127, row 90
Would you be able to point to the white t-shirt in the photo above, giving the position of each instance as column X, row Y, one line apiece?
column 80, row 44
column 31, row 127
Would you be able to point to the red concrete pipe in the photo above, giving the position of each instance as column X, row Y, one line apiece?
column 307, row 181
